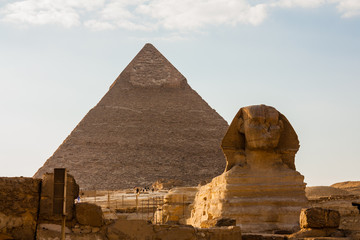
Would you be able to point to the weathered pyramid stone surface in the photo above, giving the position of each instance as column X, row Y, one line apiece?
column 150, row 125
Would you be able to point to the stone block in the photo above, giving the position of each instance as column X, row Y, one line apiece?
column 140, row 229
column 130, row 229
column 217, row 233
column 47, row 192
column 314, row 233
column 19, row 200
column 89, row 214
column 175, row 232
column 251, row 236
column 218, row 222
column 46, row 234
column 319, row 218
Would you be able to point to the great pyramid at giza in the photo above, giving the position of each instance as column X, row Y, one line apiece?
column 150, row 125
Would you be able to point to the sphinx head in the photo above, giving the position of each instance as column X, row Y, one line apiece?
column 261, row 127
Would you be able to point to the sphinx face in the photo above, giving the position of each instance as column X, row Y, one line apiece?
column 261, row 126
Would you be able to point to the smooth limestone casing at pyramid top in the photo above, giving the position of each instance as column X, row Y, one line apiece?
column 260, row 187
column 150, row 125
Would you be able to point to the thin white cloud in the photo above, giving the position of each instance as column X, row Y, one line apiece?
column 41, row 12
column 149, row 15
column 348, row 8
column 120, row 14
column 191, row 15
column 299, row 3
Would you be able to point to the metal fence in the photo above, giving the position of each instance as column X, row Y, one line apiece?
column 146, row 206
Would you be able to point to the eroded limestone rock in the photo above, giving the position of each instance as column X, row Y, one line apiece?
column 89, row 214
column 218, row 222
column 350, row 217
column 142, row 230
column 260, row 187
column 19, row 200
column 176, row 206
column 319, row 218
column 318, row 222
column 54, row 234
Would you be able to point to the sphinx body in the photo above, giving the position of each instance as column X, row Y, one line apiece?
column 260, row 187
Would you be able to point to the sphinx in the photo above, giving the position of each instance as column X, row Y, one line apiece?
column 260, row 187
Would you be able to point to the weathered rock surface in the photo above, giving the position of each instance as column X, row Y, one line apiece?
column 142, row 230
column 319, row 218
column 47, row 192
column 317, row 233
column 150, row 125
column 54, row 233
column 19, row 201
column 218, row 222
column 176, row 207
column 350, row 215
column 317, row 222
column 250, row 236
column 89, row 214
column 260, row 187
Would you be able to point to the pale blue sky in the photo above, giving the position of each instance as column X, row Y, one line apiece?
column 58, row 58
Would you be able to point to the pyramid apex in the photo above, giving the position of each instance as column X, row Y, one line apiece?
column 150, row 69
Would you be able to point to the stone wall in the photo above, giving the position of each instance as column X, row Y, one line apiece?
column 26, row 213
column 19, row 203
column 142, row 230
column 26, row 202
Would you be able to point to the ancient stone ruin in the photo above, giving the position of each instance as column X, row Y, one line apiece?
column 260, row 187
column 26, row 213
column 19, row 203
column 149, row 126
column 343, row 197
column 318, row 222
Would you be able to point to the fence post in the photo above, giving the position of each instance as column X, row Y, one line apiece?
column 183, row 206
column 148, row 209
column 155, row 216
column 162, row 209
column 122, row 201
column 137, row 202
column 142, row 209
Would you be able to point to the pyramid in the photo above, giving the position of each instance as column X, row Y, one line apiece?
column 150, row 125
